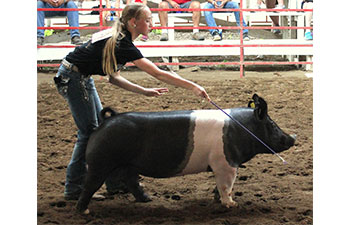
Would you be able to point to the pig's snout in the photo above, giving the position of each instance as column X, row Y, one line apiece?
column 294, row 136
column 291, row 140
column 286, row 141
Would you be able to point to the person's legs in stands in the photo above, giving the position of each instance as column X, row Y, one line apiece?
column 280, row 4
column 234, row 5
column 73, row 21
column 163, row 19
column 41, row 19
column 270, row 4
column 196, row 16
column 308, row 18
column 40, row 22
column 209, row 18
column 73, row 18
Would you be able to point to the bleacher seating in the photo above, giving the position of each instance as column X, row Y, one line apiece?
column 197, row 49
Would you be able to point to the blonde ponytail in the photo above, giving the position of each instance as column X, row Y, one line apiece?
column 109, row 59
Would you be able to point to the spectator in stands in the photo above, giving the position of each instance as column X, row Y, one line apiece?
column 271, row 4
column 119, row 5
column 280, row 4
column 180, row 4
column 111, row 13
column 105, row 54
column 224, row 4
column 135, row 1
column 308, row 4
column 73, row 18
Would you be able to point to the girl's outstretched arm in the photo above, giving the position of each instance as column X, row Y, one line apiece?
column 170, row 77
column 120, row 81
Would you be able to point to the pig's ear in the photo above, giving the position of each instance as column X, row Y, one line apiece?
column 260, row 107
column 255, row 98
column 251, row 104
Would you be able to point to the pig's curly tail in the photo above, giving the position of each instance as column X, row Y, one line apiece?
column 103, row 114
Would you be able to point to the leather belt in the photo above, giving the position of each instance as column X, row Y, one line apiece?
column 70, row 66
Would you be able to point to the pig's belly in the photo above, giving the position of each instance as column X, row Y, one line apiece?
column 207, row 139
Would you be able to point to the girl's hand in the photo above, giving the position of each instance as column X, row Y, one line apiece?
column 150, row 92
column 200, row 91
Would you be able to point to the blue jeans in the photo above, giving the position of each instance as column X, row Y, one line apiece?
column 211, row 21
column 85, row 105
column 73, row 16
column 185, row 5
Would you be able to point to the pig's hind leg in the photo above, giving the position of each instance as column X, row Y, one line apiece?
column 132, row 182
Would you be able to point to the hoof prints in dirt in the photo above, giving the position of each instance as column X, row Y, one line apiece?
column 59, row 204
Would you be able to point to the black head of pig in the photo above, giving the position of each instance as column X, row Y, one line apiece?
column 258, row 122
column 274, row 136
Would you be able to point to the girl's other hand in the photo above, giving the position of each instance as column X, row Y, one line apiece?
column 150, row 92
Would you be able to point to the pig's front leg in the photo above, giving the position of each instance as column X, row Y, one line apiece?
column 224, row 183
column 225, row 176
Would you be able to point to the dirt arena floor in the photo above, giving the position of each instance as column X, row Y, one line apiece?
column 267, row 191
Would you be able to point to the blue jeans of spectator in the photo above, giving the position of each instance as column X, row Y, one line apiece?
column 85, row 105
column 73, row 16
column 210, row 18
column 185, row 5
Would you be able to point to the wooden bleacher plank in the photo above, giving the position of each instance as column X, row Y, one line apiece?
column 198, row 50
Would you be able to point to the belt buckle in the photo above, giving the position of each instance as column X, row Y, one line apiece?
column 67, row 64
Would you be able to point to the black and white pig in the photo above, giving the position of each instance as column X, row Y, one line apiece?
column 166, row 144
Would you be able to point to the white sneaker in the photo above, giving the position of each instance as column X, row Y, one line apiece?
column 217, row 37
column 280, row 7
column 246, row 37
column 261, row 6
column 164, row 37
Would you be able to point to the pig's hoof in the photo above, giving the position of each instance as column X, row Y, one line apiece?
column 86, row 212
column 83, row 212
column 98, row 197
column 231, row 204
column 143, row 198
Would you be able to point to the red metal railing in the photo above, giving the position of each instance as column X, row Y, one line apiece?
column 241, row 63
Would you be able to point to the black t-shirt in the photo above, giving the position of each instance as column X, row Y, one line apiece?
column 88, row 57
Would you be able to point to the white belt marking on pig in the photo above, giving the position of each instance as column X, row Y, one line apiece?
column 208, row 140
